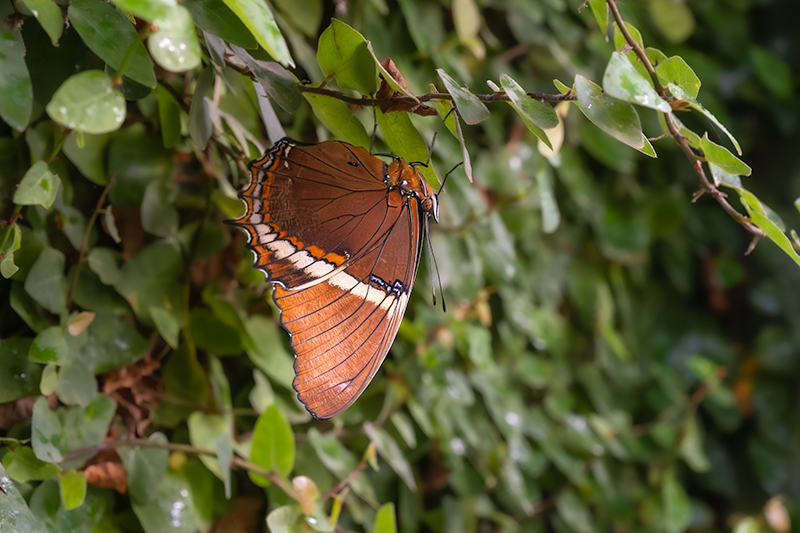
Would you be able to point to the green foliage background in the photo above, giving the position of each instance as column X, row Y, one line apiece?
column 610, row 359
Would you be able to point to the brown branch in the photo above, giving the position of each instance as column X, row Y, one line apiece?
column 697, row 162
column 428, row 97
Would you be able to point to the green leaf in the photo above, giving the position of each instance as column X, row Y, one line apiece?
column 385, row 521
column 600, row 12
column 259, row 20
column 772, row 72
column 454, row 126
column 112, row 37
column 76, row 384
column 167, row 324
column 673, row 18
column 342, row 52
column 39, row 186
column 285, row 519
column 748, row 524
column 174, row 45
column 613, row 116
column 72, row 486
column 277, row 82
column 15, row 82
column 169, row 116
column 760, row 217
column 535, row 114
column 273, row 445
column 109, row 343
column 48, row 14
column 680, row 94
column 150, row 276
column 621, row 80
column 224, row 448
column 47, row 433
column 721, row 157
column 217, row 19
column 103, row 262
column 49, row 346
column 573, row 511
column 676, row 71
column 403, row 139
column 159, row 216
column 677, row 507
column 172, row 507
column 150, row 10
column 88, row 152
column 46, row 283
column 145, row 467
column 471, row 109
column 88, row 102
column 390, row 451
column 22, row 465
column 205, row 432
column 336, row 116
column 551, row 217
column 14, row 513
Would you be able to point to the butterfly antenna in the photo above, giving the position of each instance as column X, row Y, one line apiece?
column 441, row 187
column 432, row 261
column 435, row 133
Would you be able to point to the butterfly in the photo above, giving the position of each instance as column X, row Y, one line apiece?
column 339, row 233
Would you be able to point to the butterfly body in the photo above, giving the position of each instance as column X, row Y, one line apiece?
column 339, row 233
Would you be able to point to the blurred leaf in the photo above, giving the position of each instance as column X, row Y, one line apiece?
column 174, row 44
column 268, row 352
column 677, row 507
column 215, row 17
column 22, row 465
column 772, row 72
column 747, row 525
column 72, row 486
column 385, row 521
column 159, row 216
column 390, row 451
column 46, row 283
column 76, row 384
column 150, row 10
column 600, row 12
column 87, row 152
column 112, row 37
column 88, row 102
column 259, row 20
column 470, row 108
column 673, row 18
column 343, row 53
column 39, row 186
column 47, row 433
column 273, row 445
column 204, row 432
column 285, row 519
column 145, row 467
column 549, row 208
column 151, row 276
column 15, row 82
column 573, row 511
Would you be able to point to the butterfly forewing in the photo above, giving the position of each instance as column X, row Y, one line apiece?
column 330, row 225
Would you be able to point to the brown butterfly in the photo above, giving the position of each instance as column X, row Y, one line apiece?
column 339, row 233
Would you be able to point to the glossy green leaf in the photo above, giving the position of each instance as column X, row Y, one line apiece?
column 613, row 116
column 273, row 445
column 676, row 71
column 76, row 383
column 14, row 513
column 621, row 80
column 285, row 519
column 215, row 17
column 15, row 82
column 88, row 102
column 680, row 94
column 112, row 37
column 48, row 14
column 471, row 109
column 22, row 465
column 600, row 12
column 7, row 266
column 145, row 467
column 109, row 343
column 338, row 118
column 172, row 507
column 342, row 52
column 151, row 276
column 174, row 45
column 46, row 283
column 49, row 346
column 403, row 139
column 535, row 114
column 72, row 486
column 259, row 20
column 721, row 157
column 150, row 10
column 39, row 186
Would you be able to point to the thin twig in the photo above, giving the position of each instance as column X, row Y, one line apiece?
column 85, row 242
